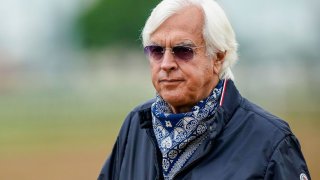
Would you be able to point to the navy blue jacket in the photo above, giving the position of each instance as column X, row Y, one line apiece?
column 245, row 142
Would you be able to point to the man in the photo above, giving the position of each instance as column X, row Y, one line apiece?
column 198, row 126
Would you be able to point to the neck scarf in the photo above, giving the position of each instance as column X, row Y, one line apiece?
column 179, row 135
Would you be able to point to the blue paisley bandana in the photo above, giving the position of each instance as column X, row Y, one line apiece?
column 179, row 135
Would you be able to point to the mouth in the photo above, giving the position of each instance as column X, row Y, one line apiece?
column 170, row 81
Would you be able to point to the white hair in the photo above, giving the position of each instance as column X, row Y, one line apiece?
column 217, row 31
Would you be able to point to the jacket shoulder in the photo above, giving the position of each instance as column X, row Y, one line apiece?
column 143, row 106
column 133, row 117
column 128, row 135
column 266, row 118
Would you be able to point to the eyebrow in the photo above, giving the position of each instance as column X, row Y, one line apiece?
column 188, row 43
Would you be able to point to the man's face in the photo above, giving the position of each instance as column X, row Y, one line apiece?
column 183, row 83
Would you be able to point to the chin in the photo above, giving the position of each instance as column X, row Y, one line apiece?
column 171, row 98
column 175, row 101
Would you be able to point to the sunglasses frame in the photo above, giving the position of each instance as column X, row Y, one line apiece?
column 173, row 50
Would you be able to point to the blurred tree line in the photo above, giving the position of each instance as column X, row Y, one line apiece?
column 110, row 22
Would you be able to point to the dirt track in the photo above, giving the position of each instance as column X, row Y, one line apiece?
column 84, row 163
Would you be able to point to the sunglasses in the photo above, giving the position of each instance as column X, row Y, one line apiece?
column 180, row 52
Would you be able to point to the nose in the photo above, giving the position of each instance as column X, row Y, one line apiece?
column 168, row 62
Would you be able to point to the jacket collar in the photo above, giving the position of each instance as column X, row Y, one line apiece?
column 145, row 118
column 230, row 101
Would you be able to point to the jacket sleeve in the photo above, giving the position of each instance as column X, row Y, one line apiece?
column 287, row 162
column 111, row 168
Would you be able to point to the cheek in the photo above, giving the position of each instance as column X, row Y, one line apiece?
column 155, row 82
column 208, row 76
column 154, row 76
column 209, row 71
column 201, row 76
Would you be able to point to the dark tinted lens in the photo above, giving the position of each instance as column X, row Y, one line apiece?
column 183, row 52
column 155, row 52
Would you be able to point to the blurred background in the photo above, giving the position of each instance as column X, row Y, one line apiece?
column 71, row 70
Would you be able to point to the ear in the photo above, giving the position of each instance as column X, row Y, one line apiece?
column 218, row 62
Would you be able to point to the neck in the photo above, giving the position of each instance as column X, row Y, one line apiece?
column 181, row 109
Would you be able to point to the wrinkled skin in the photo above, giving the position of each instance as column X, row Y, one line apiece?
column 184, row 83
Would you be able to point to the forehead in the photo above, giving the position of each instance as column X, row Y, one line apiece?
column 185, row 25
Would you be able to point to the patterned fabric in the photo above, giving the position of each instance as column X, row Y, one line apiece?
column 179, row 135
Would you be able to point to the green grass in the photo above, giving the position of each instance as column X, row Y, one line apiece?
column 36, row 121
column 56, row 122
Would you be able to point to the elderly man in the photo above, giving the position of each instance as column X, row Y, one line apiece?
column 198, row 126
